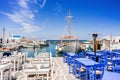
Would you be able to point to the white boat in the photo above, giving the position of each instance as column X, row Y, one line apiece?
column 69, row 43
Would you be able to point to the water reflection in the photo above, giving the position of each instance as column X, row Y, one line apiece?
column 34, row 51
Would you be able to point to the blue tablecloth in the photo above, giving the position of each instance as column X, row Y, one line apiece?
column 93, row 54
column 70, row 54
column 87, row 63
column 80, row 59
column 116, row 53
column 111, row 76
column 116, row 58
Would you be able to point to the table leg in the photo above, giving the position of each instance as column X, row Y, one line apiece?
column 10, row 73
column 86, row 73
column 1, row 75
column 14, row 66
column 47, row 75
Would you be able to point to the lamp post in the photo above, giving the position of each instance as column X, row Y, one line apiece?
column 94, row 35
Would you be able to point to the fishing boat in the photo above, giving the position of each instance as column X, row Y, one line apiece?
column 69, row 43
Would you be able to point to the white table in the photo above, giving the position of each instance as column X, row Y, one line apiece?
column 11, row 59
column 4, row 67
column 36, row 69
column 37, row 72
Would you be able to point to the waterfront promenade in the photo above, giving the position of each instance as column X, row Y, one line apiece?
column 61, row 70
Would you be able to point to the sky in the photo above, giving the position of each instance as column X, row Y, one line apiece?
column 45, row 19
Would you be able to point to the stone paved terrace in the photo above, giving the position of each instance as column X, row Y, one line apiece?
column 61, row 70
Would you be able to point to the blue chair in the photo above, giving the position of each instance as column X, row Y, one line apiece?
column 109, row 56
column 103, row 60
column 71, row 65
column 82, row 54
column 75, row 68
column 110, row 62
column 80, row 71
column 116, row 50
column 76, row 56
column 117, row 55
column 92, row 57
column 99, row 51
column 96, row 72
column 116, row 66
column 64, row 57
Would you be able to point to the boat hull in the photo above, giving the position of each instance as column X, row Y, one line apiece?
column 74, row 47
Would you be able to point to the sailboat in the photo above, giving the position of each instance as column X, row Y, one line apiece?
column 69, row 43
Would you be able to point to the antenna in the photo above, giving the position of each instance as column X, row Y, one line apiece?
column 69, row 17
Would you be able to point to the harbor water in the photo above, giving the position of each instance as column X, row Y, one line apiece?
column 33, row 51
column 51, row 48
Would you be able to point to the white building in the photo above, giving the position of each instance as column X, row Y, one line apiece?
column 15, row 38
column 111, row 42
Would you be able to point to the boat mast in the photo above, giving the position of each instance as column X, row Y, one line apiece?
column 110, row 48
column 3, row 35
column 69, row 17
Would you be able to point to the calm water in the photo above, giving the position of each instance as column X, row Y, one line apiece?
column 32, row 52
column 51, row 47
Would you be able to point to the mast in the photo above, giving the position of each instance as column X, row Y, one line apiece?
column 110, row 45
column 3, row 36
column 69, row 17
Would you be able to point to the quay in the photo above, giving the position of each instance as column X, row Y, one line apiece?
column 61, row 70
column 19, row 67
column 44, row 65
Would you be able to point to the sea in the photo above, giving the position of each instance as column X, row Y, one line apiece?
column 51, row 48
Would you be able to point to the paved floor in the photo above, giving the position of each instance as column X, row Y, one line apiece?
column 61, row 70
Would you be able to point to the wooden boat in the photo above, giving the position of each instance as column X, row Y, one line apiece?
column 69, row 43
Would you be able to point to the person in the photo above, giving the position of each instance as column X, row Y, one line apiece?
column 89, row 48
column 1, row 40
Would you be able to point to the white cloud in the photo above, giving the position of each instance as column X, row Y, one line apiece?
column 41, row 3
column 29, row 27
column 24, row 17
column 58, row 8
column 23, row 3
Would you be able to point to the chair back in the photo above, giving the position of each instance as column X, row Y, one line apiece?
column 116, row 67
column 108, row 54
column 103, row 60
column 117, row 63
column 99, row 71
column 96, row 72
column 63, row 54
column 76, row 56
column 70, row 61
column 82, row 54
